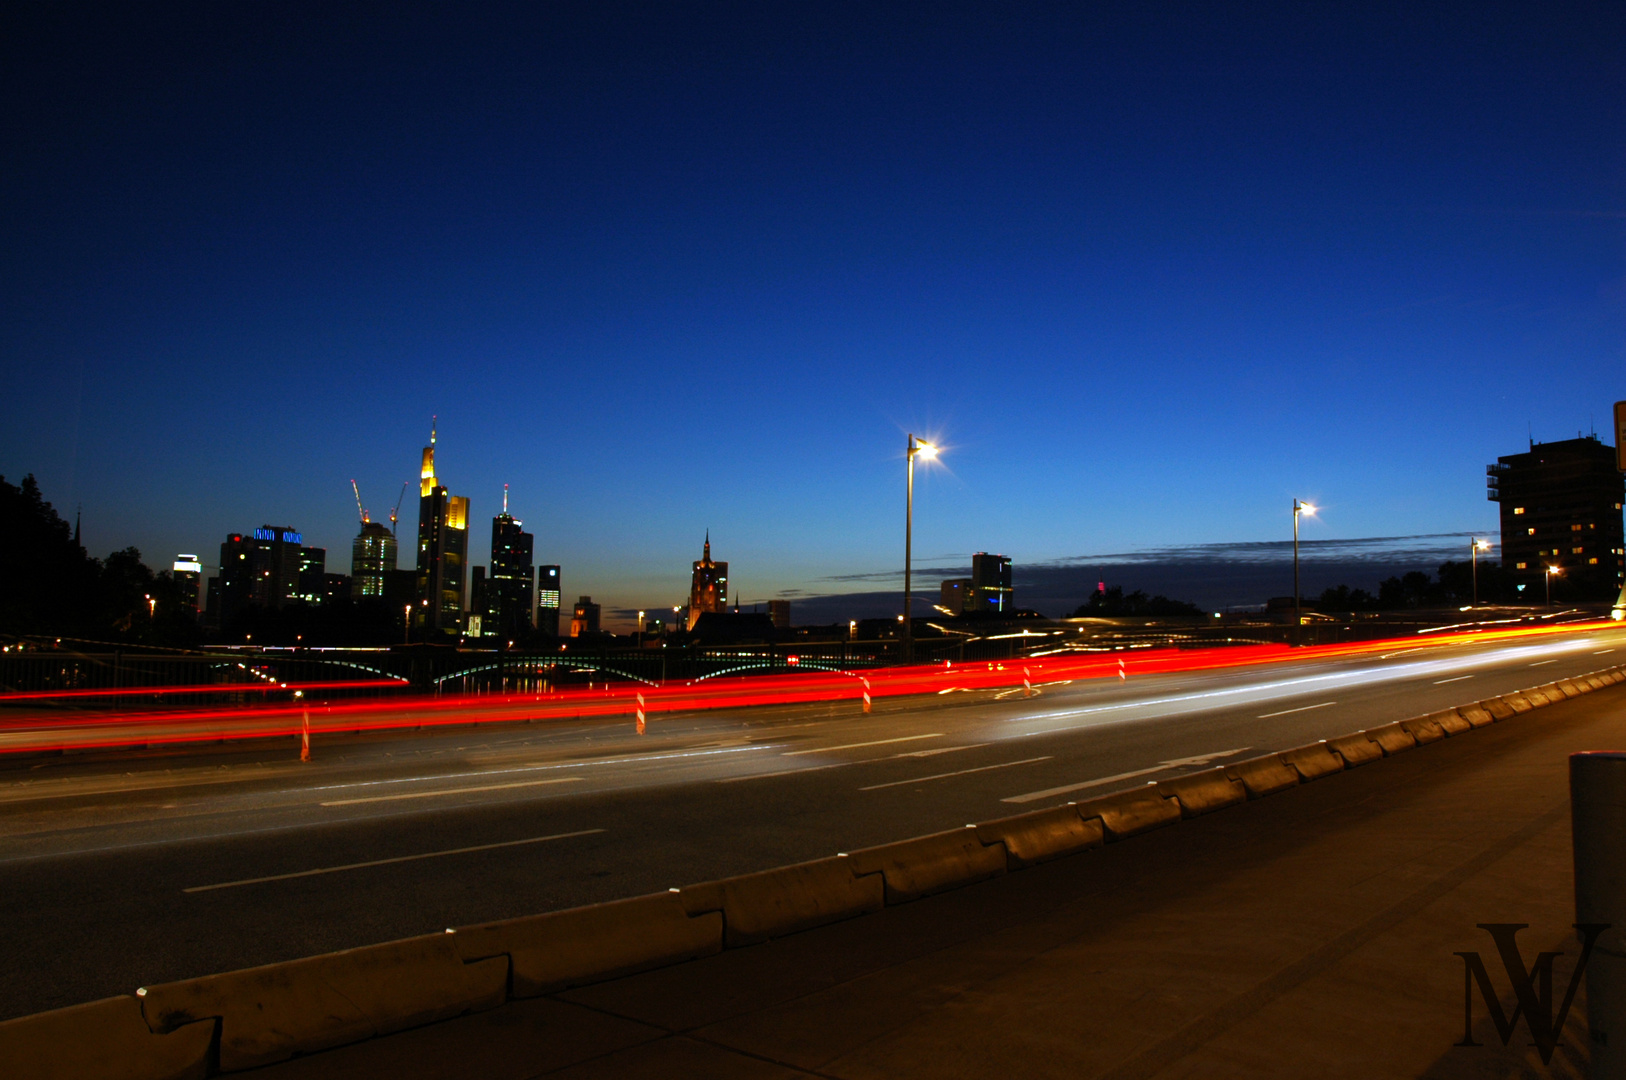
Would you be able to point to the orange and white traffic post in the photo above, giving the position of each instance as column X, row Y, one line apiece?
column 1027, row 683
column 640, row 714
column 1122, row 677
column 866, row 693
column 304, row 727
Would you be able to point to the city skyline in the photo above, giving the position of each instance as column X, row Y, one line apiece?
column 1148, row 275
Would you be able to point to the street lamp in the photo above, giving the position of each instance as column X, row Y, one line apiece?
column 927, row 451
column 1473, row 560
column 1547, row 576
column 1298, row 508
column 639, row 638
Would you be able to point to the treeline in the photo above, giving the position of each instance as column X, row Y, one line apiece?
column 1112, row 603
column 1453, row 587
column 55, row 588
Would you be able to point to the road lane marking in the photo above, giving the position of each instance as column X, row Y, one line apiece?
column 1538, row 663
column 455, row 791
column 1164, row 766
column 1301, row 708
column 1600, row 652
column 387, row 862
column 856, row 745
column 934, row 751
column 961, row 772
column 1459, row 678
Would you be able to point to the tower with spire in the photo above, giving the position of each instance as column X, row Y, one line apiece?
column 443, row 548
column 708, row 587
column 510, row 587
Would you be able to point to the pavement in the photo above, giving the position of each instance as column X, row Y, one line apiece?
column 1313, row 932
column 120, row 871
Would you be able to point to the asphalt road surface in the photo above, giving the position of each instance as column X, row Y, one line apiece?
column 118, row 870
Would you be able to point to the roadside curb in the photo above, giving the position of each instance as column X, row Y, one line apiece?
column 238, row 1020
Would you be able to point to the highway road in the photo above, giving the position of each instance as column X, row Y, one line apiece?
column 127, row 868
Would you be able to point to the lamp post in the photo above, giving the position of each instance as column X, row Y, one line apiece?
column 640, row 632
column 1547, row 575
column 928, row 451
column 1473, row 561
column 1298, row 619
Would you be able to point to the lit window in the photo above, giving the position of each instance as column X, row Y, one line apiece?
column 1520, row 509
column 1523, row 566
column 1575, row 551
column 1575, row 528
column 1593, row 562
column 1530, row 532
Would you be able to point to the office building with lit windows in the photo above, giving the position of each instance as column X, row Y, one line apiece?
column 261, row 568
column 547, row 600
column 188, row 574
column 443, row 549
column 510, row 581
column 372, row 556
column 1561, row 508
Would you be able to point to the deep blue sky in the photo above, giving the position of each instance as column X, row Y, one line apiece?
column 1148, row 270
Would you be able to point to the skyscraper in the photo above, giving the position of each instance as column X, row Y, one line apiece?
column 372, row 555
column 547, row 600
column 990, row 583
column 1561, row 507
column 260, row 568
column 188, row 574
column 708, row 586
column 443, row 547
column 509, row 587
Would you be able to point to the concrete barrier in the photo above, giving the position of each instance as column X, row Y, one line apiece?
column 1538, row 697
column 930, row 864
column 1393, row 738
column 1042, row 835
column 1263, row 775
column 1477, row 715
column 1425, row 729
column 587, row 944
column 1356, row 749
column 107, row 1039
column 1568, row 688
column 1313, row 761
column 1518, row 702
column 271, row 1013
column 1498, row 708
column 773, row 903
column 1594, row 682
column 1451, row 721
column 1129, row 813
column 1204, row 792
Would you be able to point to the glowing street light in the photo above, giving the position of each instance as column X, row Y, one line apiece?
column 1547, row 575
column 1473, row 559
column 927, row 451
column 1298, row 618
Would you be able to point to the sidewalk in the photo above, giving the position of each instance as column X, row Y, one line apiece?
column 1310, row 933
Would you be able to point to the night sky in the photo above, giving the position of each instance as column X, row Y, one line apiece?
column 1148, row 271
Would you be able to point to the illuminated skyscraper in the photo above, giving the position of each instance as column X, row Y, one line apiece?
column 188, row 574
column 260, row 568
column 708, row 586
column 509, row 589
column 372, row 555
column 443, row 548
column 547, row 600
column 1561, row 507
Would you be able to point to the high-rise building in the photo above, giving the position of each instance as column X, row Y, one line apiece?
column 953, row 595
column 260, row 568
column 547, row 600
column 1561, row 507
column 372, row 555
column 475, row 622
column 708, row 585
column 779, row 612
column 443, row 548
column 585, row 619
column 188, row 574
column 990, row 583
column 511, row 584
column 312, row 575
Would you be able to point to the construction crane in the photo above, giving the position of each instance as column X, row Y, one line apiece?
column 396, row 513
column 362, row 510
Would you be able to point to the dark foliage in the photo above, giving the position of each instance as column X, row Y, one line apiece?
column 1113, row 603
